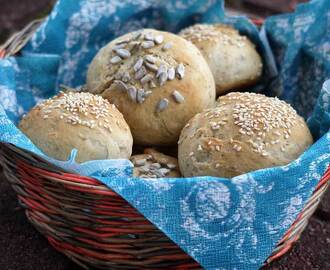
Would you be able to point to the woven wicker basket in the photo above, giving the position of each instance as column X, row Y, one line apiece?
column 93, row 225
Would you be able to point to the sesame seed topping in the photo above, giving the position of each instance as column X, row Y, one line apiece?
column 147, row 44
column 78, row 104
column 138, row 64
column 180, row 69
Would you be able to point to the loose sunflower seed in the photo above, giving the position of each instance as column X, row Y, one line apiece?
column 151, row 67
column 138, row 64
column 162, row 105
column 147, row 78
column 140, row 162
column 178, row 97
column 171, row 73
column 180, row 71
column 147, row 44
column 149, row 36
column 123, row 53
column 164, row 171
column 140, row 96
column 115, row 60
column 161, row 70
column 167, row 46
column 131, row 91
column 150, row 58
column 171, row 166
column 140, row 73
column 159, row 39
column 162, row 78
column 155, row 166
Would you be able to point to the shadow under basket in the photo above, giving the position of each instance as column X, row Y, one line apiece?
column 95, row 227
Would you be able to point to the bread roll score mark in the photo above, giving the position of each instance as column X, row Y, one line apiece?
column 145, row 69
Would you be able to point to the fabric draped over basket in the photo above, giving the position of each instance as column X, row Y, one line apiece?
column 221, row 223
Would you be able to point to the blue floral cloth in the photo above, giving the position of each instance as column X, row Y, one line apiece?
column 221, row 223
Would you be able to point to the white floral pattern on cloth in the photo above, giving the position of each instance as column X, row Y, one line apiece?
column 222, row 223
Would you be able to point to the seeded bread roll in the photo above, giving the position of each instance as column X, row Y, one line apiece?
column 153, row 164
column 82, row 121
column 158, row 80
column 232, row 58
column 244, row 132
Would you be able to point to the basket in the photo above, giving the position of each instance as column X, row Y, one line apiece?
column 93, row 225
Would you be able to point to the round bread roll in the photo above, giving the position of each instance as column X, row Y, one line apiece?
column 82, row 121
column 153, row 164
column 158, row 80
column 232, row 58
column 244, row 132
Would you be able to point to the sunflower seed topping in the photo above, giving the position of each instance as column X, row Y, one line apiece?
column 140, row 73
column 151, row 67
column 150, row 58
column 122, row 41
column 162, row 78
column 178, row 97
column 131, row 90
column 162, row 105
column 147, row 78
column 136, row 35
column 140, row 96
column 159, row 39
column 126, row 77
column 171, row 73
column 120, row 85
column 167, row 46
column 161, row 70
column 120, row 46
column 147, row 44
column 123, row 53
column 138, row 64
column 180, row 71
column 149, row 36
column 115, row 60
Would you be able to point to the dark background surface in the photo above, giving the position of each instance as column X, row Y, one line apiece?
column 23, row 248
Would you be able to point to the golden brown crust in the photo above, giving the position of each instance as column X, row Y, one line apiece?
column 82, row 121
column 244, row 132
column 232, row 58
column 149, row 126
column 153, row 164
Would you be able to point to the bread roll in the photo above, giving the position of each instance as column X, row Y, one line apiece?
column 232, row 58
column 244, row 132
column 153, row 164
column 157, row 80
column 82, row 121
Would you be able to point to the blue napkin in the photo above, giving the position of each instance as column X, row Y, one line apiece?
column 222, row 223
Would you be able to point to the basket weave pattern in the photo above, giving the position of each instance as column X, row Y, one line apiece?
column 93, row 225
